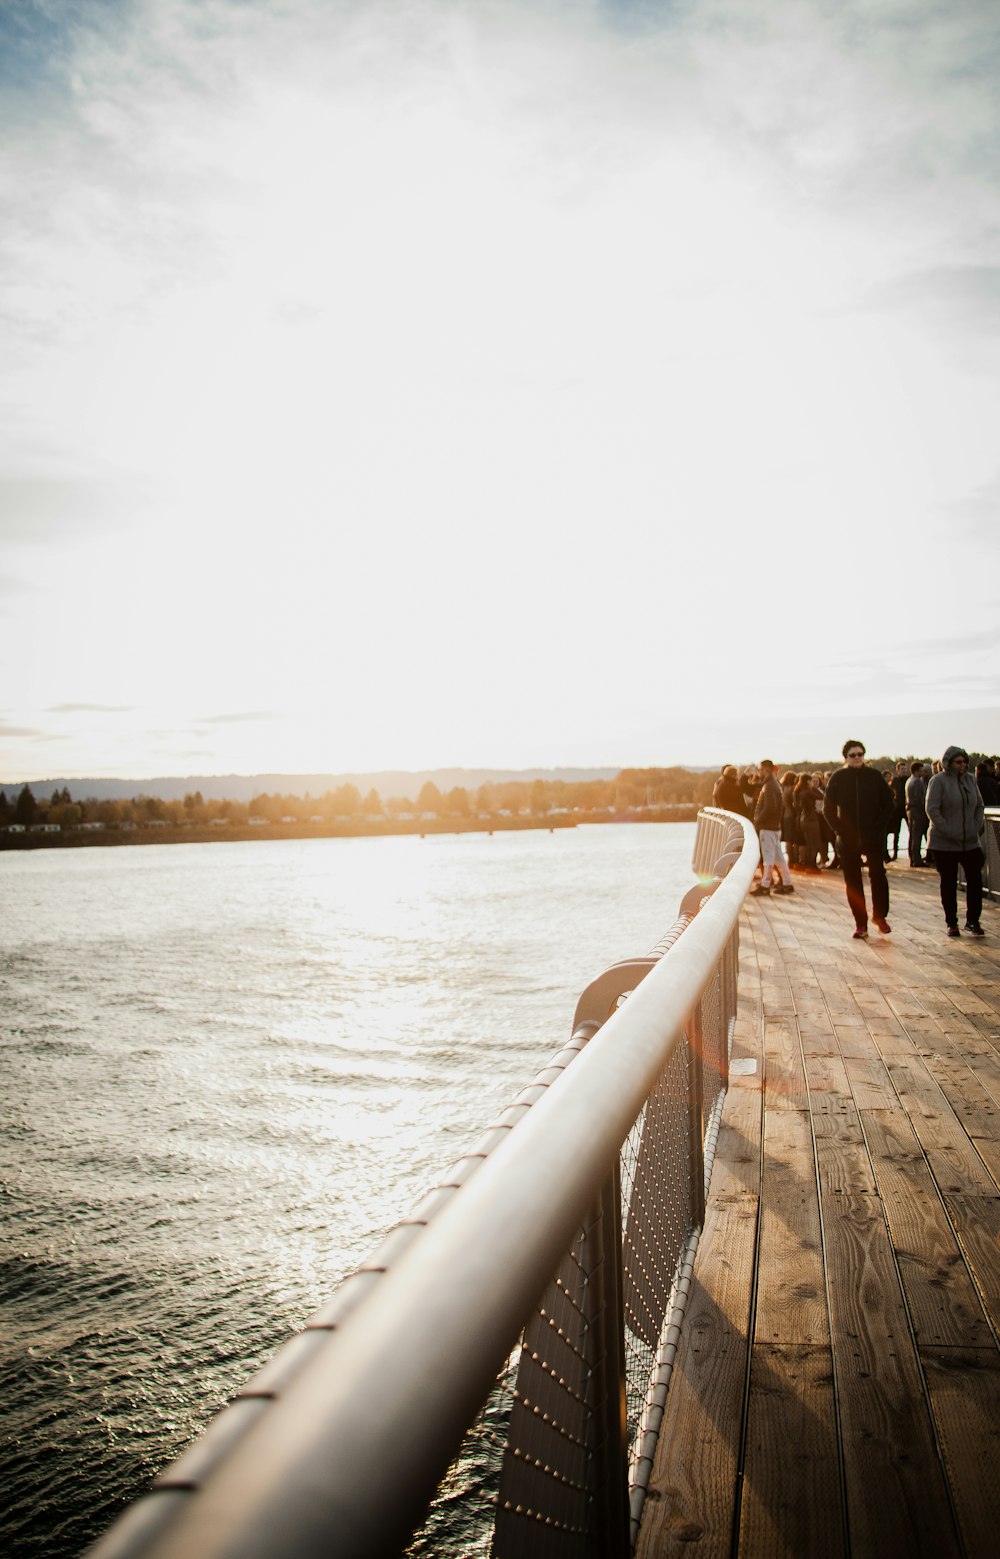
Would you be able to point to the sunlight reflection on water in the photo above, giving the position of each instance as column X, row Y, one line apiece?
column 228, row 1068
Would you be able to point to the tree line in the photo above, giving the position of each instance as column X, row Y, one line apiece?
column 633, row 790
column 630, row 790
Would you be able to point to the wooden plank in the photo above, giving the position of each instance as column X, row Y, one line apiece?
column 791, row 1486
column 989, row 1152
column 736, row 1168
column 984, row 1064
column 966, row 1000
column 887, row 1435
column 973, row 1105
column 791, row 1297
column 853, row 1040
column 954, row 1161
column 870, row 1083
column 942, row 1300
column 964, row 1387
column 977, row 1223
column 784, row 1079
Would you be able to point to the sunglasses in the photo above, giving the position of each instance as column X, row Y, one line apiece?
column 855, row 754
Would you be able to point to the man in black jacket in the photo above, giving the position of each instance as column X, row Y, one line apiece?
column 859, row 807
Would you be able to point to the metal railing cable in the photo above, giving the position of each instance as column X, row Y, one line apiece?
column 556, row 1255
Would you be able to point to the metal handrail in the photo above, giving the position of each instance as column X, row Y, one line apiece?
column 381, row 1402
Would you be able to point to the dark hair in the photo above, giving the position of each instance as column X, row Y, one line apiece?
column 766, row 761
column 847, row 745
column 915, row 768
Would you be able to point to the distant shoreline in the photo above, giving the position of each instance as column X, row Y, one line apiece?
column 240, row 833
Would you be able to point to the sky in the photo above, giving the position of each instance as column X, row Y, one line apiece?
column 412, row 383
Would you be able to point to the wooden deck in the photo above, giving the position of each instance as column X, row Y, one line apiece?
column 837, row 1389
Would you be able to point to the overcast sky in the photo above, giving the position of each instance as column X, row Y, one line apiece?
column 423, row 382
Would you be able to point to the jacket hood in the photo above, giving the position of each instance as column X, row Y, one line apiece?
column 952, row 752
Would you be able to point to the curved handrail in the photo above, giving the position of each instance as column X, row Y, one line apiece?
column 395, row 1386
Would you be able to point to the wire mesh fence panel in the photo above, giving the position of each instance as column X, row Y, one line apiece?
column 656, row 1221
column 549, row 1492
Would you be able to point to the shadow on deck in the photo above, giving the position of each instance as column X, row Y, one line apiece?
column 837, row 1390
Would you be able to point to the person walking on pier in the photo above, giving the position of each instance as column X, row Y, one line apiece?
column 956, row 812
column 898, row 786
column 916, row 812
column 859, row 807
column 767, row 821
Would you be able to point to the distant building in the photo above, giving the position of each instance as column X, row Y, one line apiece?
column 90, row 828
column 257, row 822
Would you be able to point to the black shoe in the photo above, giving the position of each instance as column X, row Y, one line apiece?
column 759, row 890
column 954, row 931
column 974, row 927
column 785, row 887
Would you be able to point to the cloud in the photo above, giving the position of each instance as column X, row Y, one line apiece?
column 240, row 719
column 30, row 732
column 624, row 298
column 967, row 296
column 91, row 709
column 977, row 513
column 40, row 509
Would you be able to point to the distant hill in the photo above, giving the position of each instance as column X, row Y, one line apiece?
column 243, row 787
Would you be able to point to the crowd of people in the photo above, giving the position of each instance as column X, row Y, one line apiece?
column 852, row 817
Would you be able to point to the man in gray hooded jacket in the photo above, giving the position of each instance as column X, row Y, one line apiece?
column 955, row 810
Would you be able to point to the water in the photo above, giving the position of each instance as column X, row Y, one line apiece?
column 225, row 1071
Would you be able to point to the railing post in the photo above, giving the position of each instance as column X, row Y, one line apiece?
column 611, row 1524
column 696, row 1113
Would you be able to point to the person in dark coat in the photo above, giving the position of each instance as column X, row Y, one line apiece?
column 989, row 789
column 956, row 813
column 808, row 801
column 858, row 807
column 789, row 819
column 916, row 811
column 898, row 787
column 728, row 792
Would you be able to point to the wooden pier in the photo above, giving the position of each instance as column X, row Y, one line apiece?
column 837, row 1387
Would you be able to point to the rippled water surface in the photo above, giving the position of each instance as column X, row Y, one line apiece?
column 225, row 1070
